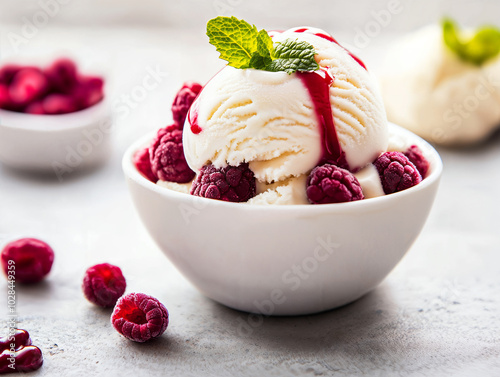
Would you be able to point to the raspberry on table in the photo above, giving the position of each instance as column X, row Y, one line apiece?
column 143, row 163
column 183, row 101
column 396, row 172
column 139, row 317
column 166, row 154
column 231, row 183
column 103, row 284
column 32, row 260
column 415, row 155
column 331, row 184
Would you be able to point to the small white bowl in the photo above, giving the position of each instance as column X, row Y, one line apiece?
column 284, row 260
column 57, row 143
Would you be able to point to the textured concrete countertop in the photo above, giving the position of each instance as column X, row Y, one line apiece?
column 437, row 314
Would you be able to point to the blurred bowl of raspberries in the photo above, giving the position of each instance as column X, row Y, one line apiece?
column 279, row 259
column 52, row 118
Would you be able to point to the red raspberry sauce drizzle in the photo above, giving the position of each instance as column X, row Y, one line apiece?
column 193, row 117
column 318, row 85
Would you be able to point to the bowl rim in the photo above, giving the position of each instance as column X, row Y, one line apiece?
column 435, row 171
column 54, row 122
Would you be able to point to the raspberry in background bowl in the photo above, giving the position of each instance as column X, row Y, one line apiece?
column 288, row 259
column 52, row 118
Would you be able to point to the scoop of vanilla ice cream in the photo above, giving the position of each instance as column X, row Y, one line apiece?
column 289, row 191
column 268, row 119
column 433, row 93
column 264, row 118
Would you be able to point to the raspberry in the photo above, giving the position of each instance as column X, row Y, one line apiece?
column 4, row 96
column 30, row 260
column 167, row 156
column 417, row 158
column 183, row 101
column 89, row 91
column 103, row 284
column 396, row 172
column 62, row 75
column 143, row 164
column 58, row 104
column 35, row 108
column 7, row 73
column 139, row 317
column 232, row 184
column 27, row 357
column 330, row 184
column 27, row 85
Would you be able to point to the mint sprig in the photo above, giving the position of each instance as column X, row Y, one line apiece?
column 243, row 46
column 476, row 49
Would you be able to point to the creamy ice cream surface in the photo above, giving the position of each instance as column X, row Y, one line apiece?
column 269, row 119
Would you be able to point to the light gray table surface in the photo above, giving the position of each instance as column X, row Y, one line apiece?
column 437, row 314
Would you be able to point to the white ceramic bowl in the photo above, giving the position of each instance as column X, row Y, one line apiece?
column 284, row 260
column 55, row 143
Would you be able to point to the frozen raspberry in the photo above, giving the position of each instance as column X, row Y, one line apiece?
column 58, row 104
column 183, row 101
column 231, row 183
column 7, row 73
column 139, row 317
column 417, row 158
column 28, row 259
column 62, row 75
column 167, row 156
column 35, row 108
column 396, row 172
column 330, row 184
column 103, row 284
column 28, row 85
column 143, row 164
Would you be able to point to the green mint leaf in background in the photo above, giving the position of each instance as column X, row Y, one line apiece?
column 291, row 56
column 481, row 46
column 242, row 46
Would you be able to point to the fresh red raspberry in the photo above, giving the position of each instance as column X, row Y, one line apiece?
column 167, row 156
column 103, row 284
column 4, row 96
column 62, row 75
column 58, row 104
column 396, row 172
column 183, row 101
column 89, row 91
column 139, row 317
column 143, row 163
column 28, row 85
column 415, row 155
column 30, row 260
column 231, row 183
column 35, row 108
column 7, row 73
column 330, row 184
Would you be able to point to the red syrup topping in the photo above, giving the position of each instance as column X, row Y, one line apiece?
column 318, row 85
column 193, row 117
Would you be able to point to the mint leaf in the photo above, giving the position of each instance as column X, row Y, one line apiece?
column 242, row 46
column 477, row 49
column 235, row 40
column 291, row 56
